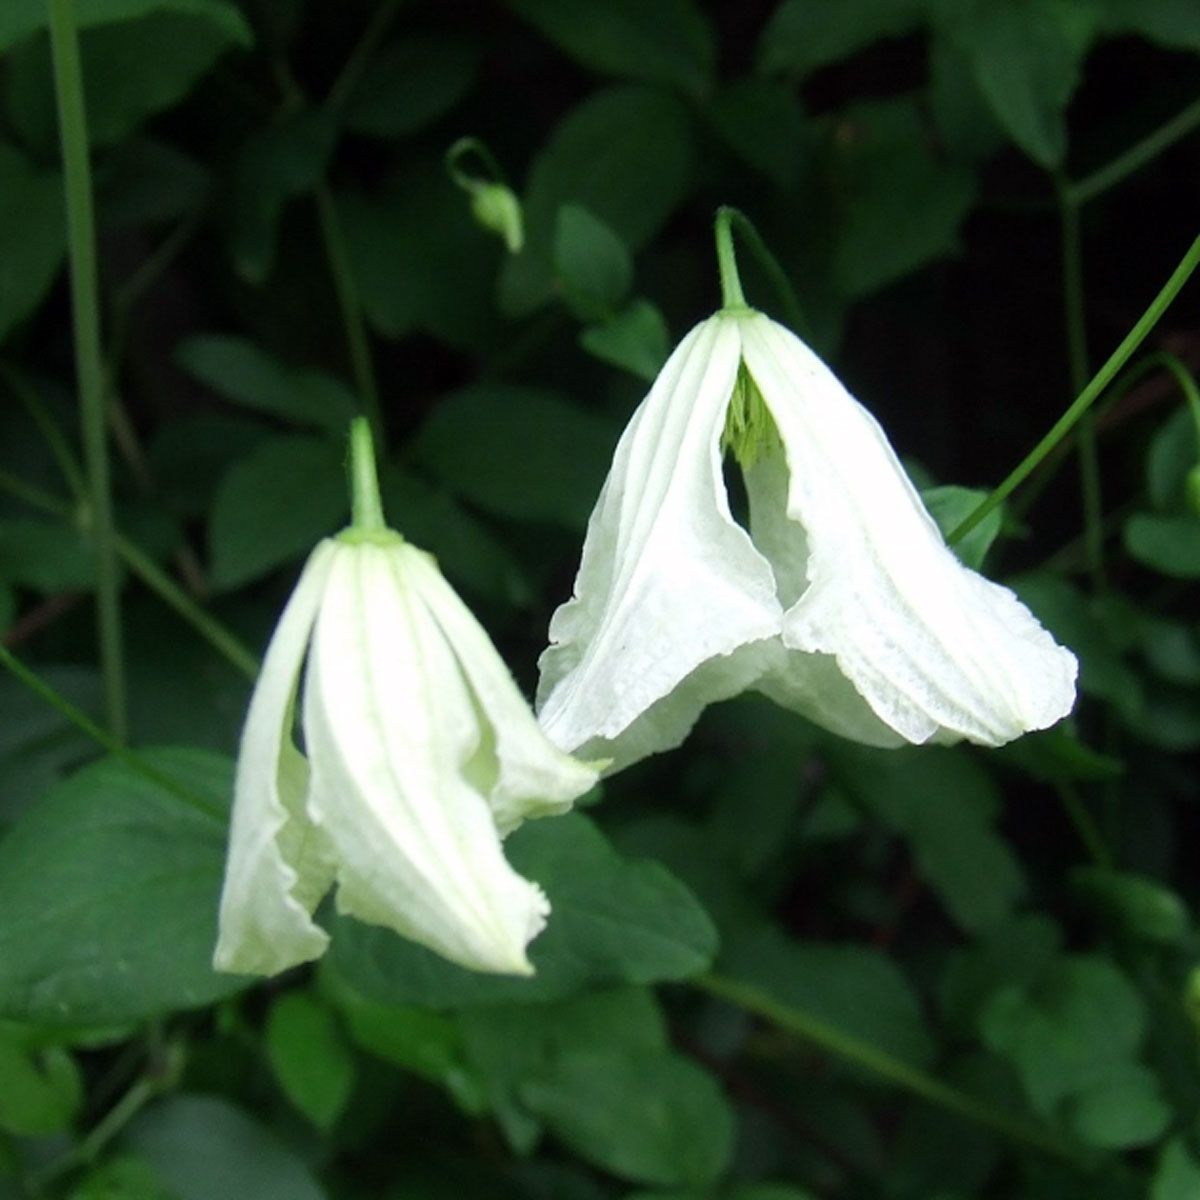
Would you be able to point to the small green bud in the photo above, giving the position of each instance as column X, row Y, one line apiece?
column 498, row 210
column 1193, row 489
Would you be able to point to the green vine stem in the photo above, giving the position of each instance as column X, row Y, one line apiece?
column 731, row 284
column 793, row 310
column 89, row 366
column 1088, row 396
column 879, row 1063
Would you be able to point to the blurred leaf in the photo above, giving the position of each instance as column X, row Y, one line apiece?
column 949, row 506
column 669, row 41
column 518, row 452
column 274, row 505
column 966, row 125
column 190, row 455
column 946, row 805
column 309, row 1057
column 1171, row 23
column 1133, row 904
column 144, row 182
column 763, row 123
column 802, row 35
column 409, row 84
column 615, row 920
column 274, row 165
column 1056, row 754
column 206, row 1149
column 1026, row 57
column 1072, row 1038
column 593, row 266
column 1178, row 1174
column 900, row 206
column 32, row 233
column 1172, row 648
column 131, row 70
column 1167, row 544
column 123, row 1178
column 625, row 154
column 411, row 277
column 109, row 888
column 43, row 1086
column 1172, row 454
column 241, row 373
column 651, row 1118
column 47, row 555
column 20, row 18
column 8, row 607
column 852, row 989
column 635, row 339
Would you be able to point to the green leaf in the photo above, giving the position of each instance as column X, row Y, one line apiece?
column 409, row 84
column 32, row 234
column 626, row 155
column 1126, row 1110
column 1134, row 904
column 309, row 1057
column 763, row 123
column 1172, row 649
column 275, row 164
column 1169, row 545
column 49, row 556
column 853, row 989
column 649, row 1118
column 109, row 890
column 592, row 263
column 946, row 805
column 901, row 207
column 518, row 453
column 43, row 1086
column 143, row 182
column 1171, row 23
column 949, row 506
column 1172, row 454
column 274, row 505
column 1025, row 56
column 123, row 1178
column 206, row 1149
column 636, row 339
column 241, row 373
column 131, row 70
column 966, row 125
column 20, row 18
column 1178, row 1174
column 668, row 42
column 190, row 456
column 803, row 35
column 615, row 920
column 409, row 280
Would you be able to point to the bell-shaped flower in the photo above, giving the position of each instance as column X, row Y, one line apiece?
column 420, row 755
column 841, row 600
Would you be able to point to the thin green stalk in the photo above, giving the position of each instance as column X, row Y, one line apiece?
column 366, row 506
column 89, row 367
column 145, row 569
column 101, row 736
column 1088, row 396
column 1085, row 825
column 792, row 309
column 878, row 1062
column 1136, row 157
column 354, row 65
column 357, row 341
column 1077, row 358
column 731, row 285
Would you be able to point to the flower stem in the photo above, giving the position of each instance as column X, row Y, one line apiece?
column 862, row 1054
column 358, row 342
column 731, row 284
column 89, row 367
column 1088, row 396
column 365, row 505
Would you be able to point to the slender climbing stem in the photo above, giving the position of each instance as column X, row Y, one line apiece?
column 731, row 284
column 366, row 506
column 89, row 366
column 879, row 1063
column 1088, row 396
column 366, row 46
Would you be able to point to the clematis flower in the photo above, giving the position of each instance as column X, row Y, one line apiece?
column 420, row 755
column 840, row 601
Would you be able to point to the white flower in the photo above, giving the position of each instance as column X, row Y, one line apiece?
column 420, row 755
column 841, row 602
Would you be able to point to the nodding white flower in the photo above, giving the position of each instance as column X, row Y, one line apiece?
column 420, row 754
column 841, row 600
